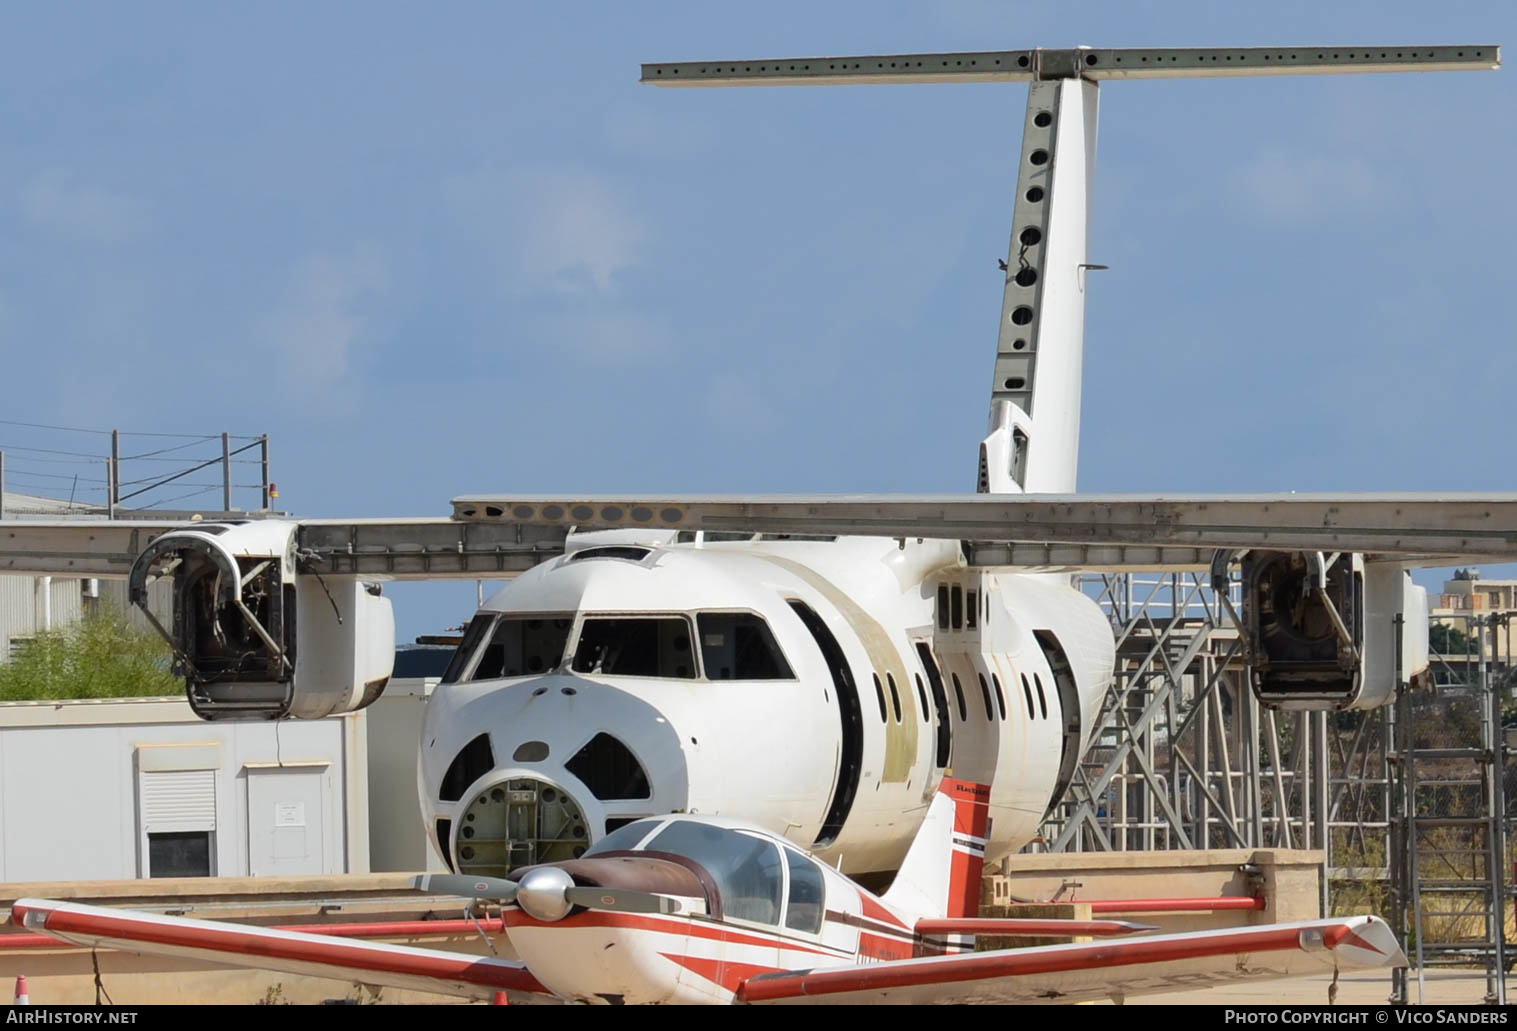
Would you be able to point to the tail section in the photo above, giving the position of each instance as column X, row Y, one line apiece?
column 1034, row 437
column 941, row 874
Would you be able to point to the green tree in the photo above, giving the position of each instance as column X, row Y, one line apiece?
column 103, row 656
column 1447, row 640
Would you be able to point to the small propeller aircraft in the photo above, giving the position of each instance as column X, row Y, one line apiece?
column 692, row 909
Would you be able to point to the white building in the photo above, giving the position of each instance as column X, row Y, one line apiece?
column 118, row 788
column 30, row 604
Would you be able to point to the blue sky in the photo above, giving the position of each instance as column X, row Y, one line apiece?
column 459, row 248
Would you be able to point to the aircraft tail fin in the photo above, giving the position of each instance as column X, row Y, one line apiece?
column 1033, row 443
column 940, row 876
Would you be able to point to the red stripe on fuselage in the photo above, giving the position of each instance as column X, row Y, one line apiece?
column 728, row 975
column 679, row 925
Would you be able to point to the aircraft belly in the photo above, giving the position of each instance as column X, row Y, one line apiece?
column 608, row 964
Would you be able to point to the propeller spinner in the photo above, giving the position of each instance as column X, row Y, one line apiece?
column 545, row 893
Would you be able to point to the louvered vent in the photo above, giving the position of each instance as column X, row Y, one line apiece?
column 609, row 769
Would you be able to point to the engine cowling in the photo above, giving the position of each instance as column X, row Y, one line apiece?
column 253, row 637
column 1323, row 629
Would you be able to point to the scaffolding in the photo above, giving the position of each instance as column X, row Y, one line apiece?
column 1449, row 838
column 1186, row 758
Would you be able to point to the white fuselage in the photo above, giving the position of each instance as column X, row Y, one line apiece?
column 742, row 734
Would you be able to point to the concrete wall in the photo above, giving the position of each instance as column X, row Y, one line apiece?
column 73, row 776
column 1287, row 879
column 397, row 834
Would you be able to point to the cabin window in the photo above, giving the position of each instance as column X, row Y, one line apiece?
column 990, row 711
column 1027, row 695
column 958, row 692
column 523, row 646
column 972, row 609
column 1000, row 695
column 879, row 695
column 922, row 697
column 1042, row 701
column 804, row 910
column 635, row 646
column 746, row 868
column 942, row 606
column 957, row 599
column 895, row 696
column 740, row 646
column 477, row 631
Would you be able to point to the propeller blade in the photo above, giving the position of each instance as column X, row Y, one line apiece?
column 495, row 889
column 621, row 901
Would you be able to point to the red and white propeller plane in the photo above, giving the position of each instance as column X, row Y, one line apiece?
column 688, row 909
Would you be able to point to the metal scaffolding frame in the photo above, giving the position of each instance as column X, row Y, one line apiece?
column 1185, row 757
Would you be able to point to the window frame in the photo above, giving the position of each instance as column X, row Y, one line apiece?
column 501, row 616
column 571, row 650
column 774, row 639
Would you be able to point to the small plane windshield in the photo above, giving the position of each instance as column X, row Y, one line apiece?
column 745, row 867
column 624, row 839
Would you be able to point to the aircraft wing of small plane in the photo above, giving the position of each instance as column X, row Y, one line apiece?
column 1104, row 970
column 1055, row 973
column 291, row 952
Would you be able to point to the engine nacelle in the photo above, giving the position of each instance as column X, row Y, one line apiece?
column 1323, row 629
column 254, row 638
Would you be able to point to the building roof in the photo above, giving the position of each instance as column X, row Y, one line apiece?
column 31, row 506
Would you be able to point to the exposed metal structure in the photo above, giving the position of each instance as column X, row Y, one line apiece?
column 1407, row 802
column 1448, row 848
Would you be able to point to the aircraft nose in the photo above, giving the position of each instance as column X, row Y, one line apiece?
column 533, row 771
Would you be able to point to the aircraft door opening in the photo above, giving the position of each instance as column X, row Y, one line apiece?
column 944, row 751
column 1069, row 708
column 851, row 754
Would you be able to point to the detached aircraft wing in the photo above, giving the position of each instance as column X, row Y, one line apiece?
column 291, row 952
column 494, row 536
column 1105, row 970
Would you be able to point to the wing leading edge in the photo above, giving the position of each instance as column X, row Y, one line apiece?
column 1104, row 970
column 293, row 952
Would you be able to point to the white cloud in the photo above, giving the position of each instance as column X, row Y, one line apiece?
column 1277, row 185
column 554, row 230
column 317, row 327
column 86, row 213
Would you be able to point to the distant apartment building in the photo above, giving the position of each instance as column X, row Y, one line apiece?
column 1469, row 596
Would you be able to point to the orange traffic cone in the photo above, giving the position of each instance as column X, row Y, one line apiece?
column 499, row 1000
column 22, row 997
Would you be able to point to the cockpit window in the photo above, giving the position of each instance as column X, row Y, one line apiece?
column 523, row 646
column 632, row 646
column 746, row 868
column 479, row 629
column 624, row 839
column 739, row 646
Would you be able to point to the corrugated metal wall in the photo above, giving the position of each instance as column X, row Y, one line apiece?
column 22, row 606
